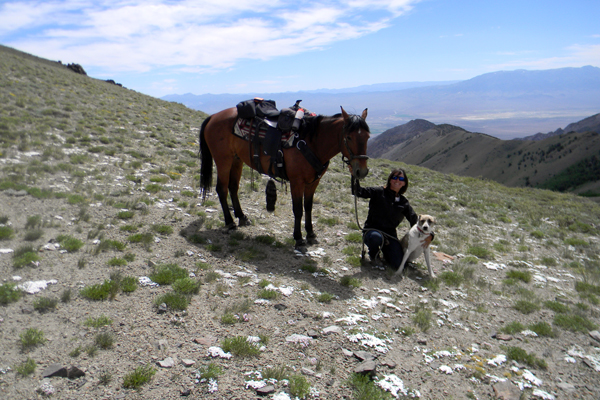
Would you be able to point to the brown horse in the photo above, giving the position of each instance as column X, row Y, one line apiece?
column 324, row 136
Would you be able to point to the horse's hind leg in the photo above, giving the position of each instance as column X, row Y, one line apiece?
column 234, row 184
column 222, row 192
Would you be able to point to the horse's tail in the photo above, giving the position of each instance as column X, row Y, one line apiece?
column 206, row 162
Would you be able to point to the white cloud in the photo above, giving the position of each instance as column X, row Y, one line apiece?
column 575, row 56
column 138, row 35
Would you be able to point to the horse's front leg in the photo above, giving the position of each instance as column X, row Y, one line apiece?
column 222, row 192
column 311, row 236
column 234, row 185
column 297, row 207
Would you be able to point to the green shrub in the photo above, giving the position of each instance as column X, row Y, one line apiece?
column 69, row 243
column 210, row 371
column 33, row 221
column 9, row 293
column 129, row 284
column 100, row 291
column 239, row 346
column 479, row 251
column 162, row 229
column 574, row 322
column 525, row 307
column 557, row 307
column 26, row 368
column 422, row 318
column 277, row 373
column 520, row 355
column 513, row 327
column 175, row 301
column 354, row 237
column 524, row 276
column 576, row 242
column 347, row 280
column 108, row 244
column 298, row 386
column 116, row 262
column 325, row 297
column 101, row 321
column 452, row 278
column 31, row 338
column 125, row 214
column 365, row 389
column 25, row 255
column 537, row 234
column 542, row 329
column 186, row 286
column 104, row 340
column 6, row 233
column 265, row 239
column 585, row 287
column 166, row 274
column 33, row 234
column 229, row 319
column 43, row 304
column 153, row 188
column 139, row 377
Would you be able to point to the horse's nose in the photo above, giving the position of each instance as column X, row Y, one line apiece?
column 361, row 173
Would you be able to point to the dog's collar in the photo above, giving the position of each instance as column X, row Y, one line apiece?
column 421, row 230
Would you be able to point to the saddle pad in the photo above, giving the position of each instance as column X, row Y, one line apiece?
column 245, row 129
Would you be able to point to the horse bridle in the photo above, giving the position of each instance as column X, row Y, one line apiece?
column 344, row 140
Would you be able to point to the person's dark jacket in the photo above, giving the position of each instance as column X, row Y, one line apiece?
column 385, row 213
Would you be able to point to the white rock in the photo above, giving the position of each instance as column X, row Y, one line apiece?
column 215, row 351
column 542, row 395
column 497, row 361
column 446, row 369
column 332, row 329
column 33, row 287
column 529, row 376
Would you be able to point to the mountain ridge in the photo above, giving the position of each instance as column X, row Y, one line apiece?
column 517, row 162
column 505, row 104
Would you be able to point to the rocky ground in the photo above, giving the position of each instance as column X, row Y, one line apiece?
column 418, row 337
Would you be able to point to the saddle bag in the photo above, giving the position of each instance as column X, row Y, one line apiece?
column 286, row 119
column 249, row 109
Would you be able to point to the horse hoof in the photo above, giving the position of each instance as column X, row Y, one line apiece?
column 231, row 227
column 312, row 239
column 301, row 249
column 245, row 222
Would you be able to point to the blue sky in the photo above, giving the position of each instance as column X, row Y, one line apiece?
column 161, row 47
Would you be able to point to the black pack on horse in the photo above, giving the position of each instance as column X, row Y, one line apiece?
column 321, row 136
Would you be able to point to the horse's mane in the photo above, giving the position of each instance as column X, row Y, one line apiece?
column 311, row 128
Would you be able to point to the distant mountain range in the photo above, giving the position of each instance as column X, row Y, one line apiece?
column 565, row 160
column 505, row 104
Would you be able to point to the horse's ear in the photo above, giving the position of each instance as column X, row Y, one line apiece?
column 344, row 114
column 364, row 114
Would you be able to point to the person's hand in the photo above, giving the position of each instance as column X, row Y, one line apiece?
column 427, row 241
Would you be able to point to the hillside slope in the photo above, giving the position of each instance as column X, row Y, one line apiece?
column 142, row 293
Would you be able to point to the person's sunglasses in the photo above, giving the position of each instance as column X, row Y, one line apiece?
column 398, row 178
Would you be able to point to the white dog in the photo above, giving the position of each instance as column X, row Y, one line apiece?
column 412, row 242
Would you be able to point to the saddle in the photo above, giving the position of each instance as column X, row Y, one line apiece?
column 270, row 131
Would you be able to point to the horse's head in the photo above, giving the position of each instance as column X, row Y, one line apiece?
column 354, row 143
